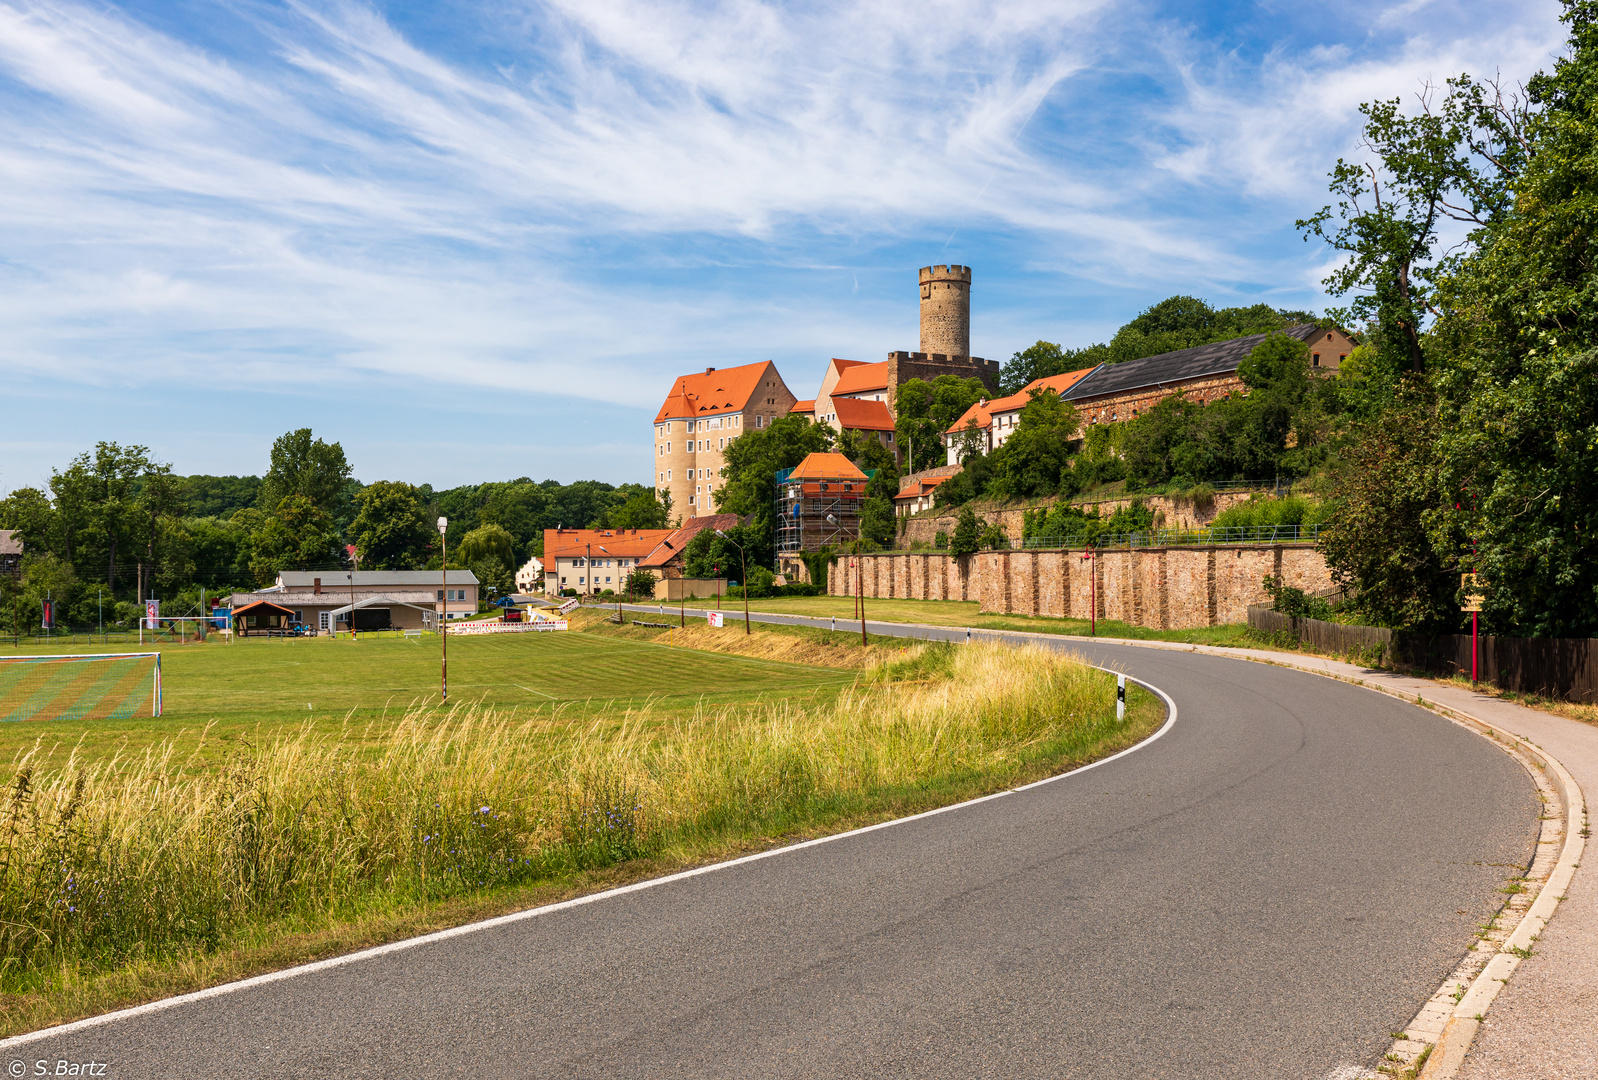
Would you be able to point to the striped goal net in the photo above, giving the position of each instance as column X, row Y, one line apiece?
column 90, row 686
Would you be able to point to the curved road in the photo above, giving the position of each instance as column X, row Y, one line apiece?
column 1268, row 890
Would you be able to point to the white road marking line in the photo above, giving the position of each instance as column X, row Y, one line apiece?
column 549, row 909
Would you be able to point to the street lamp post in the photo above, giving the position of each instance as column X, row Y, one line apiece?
column 443, row 613
column 744, row 562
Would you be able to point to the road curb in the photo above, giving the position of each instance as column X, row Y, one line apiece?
column 1475, row 985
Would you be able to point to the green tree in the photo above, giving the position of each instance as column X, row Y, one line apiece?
column 1036, row 459
column 28, row 511
column 926, row 410
column 967, row 538
column 640, row 582
column 1037, row 361
column 486, row 541
column 304, row 466
column 298, row 535
column 749, row 476
column 643, row 511
column 392, row 530
column 1456, row 158
column 1377, row 541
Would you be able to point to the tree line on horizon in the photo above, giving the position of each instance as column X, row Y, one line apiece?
column 115, row 525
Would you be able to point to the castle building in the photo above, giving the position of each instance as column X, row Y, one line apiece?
column 859, row 396
column 1111, row 393
column 700, row 417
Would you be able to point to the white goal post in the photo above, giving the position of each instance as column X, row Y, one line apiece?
column 79, row 686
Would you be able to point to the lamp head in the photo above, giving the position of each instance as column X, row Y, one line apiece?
column 443, row 523
column 831, row 520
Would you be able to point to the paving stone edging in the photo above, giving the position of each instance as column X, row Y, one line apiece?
column 1449, row 1021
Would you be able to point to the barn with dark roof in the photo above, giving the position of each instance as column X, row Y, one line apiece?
column 1114, row 392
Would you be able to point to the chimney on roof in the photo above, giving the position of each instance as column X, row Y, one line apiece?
column 316, row 586
column 708, row 370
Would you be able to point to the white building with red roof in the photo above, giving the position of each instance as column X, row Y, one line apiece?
column 996, row 420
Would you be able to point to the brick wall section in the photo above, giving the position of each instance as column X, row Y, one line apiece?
column 1161, row 588
column 1112, row 408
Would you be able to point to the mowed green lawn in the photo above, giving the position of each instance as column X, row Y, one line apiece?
column 275, row 682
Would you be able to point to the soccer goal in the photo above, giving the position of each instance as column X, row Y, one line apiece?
column 90, row 686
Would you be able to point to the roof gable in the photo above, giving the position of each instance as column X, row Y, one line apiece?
column 855, row 414
column 713, row 393
column 826, row 466
column 861, row 377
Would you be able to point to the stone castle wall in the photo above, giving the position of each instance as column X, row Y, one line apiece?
column 1161, row 588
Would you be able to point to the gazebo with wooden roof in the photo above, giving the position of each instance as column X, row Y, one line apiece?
column 262, row 617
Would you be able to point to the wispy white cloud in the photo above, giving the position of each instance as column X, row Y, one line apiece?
column 330, row 200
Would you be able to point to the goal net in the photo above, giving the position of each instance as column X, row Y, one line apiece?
column 80, row 687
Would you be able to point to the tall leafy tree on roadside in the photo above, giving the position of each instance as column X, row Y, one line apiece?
column 1511, row 363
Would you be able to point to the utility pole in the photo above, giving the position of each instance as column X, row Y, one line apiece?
column 443, row 614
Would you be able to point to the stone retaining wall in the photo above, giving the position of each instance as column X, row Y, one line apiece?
column 1161, row 588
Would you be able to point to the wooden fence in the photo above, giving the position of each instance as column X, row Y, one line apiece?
column 1564, row 668
column 1326, row 636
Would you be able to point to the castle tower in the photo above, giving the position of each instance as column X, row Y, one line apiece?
column 946, row 310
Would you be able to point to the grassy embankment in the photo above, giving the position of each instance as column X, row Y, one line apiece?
column 969, row 613
column 131, row 873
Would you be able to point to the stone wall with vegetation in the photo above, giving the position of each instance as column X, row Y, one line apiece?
column 1180, row 513
column 1157, row 587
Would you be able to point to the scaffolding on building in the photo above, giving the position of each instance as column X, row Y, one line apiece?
column 818, row 504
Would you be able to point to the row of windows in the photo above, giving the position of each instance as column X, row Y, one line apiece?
column 691, row 426
column 581, row 561
column 584, row 580
column 454, row 594
column 694, row 446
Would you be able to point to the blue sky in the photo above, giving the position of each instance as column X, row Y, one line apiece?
column 477, row 241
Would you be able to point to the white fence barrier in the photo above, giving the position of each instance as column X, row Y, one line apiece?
column 456, row 629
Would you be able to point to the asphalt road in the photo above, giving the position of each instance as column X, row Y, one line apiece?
column 1268, row 890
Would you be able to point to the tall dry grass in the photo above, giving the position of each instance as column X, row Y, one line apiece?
column 143, row 857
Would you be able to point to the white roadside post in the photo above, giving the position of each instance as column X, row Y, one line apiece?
column 1120, row 698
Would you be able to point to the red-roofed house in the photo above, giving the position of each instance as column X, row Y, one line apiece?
column 996, row 420
column 667, row 559
column 593, row 560
column 702, row 414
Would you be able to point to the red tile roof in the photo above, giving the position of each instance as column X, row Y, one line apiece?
column 858, row 378
column 713, row 393
column 921, row 487
column 857, row 415
column 803, row 407
column 672, row 546
column 826, row 466
column 617, row 543
column 983, row 411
